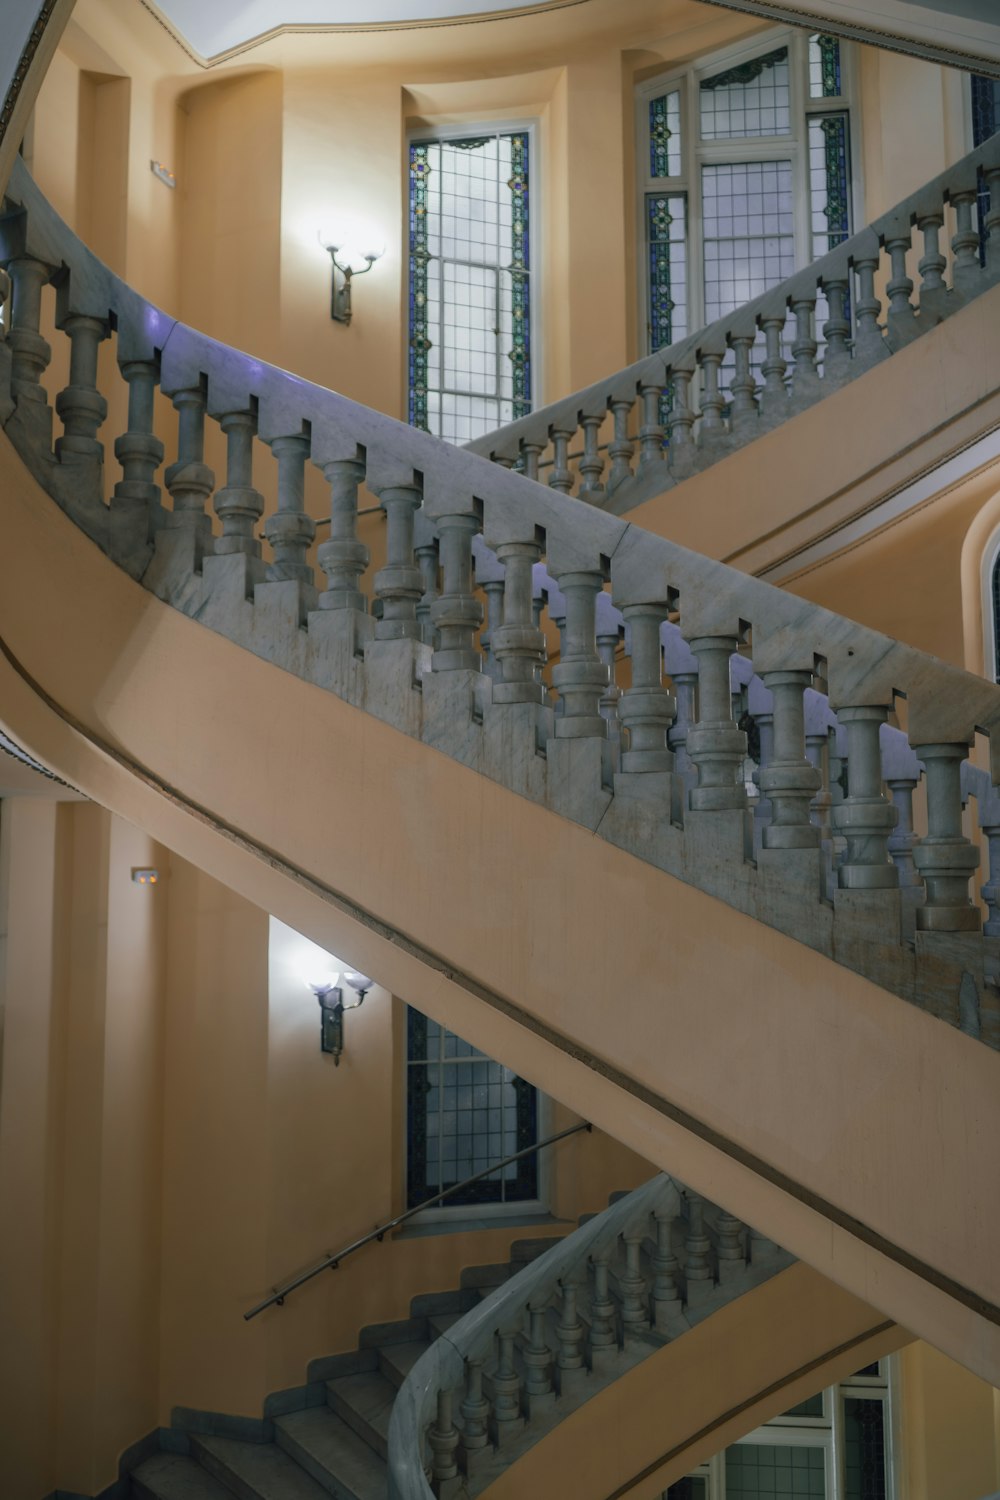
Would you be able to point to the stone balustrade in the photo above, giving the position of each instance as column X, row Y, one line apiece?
column 629, row 1280
column 646, row 428
column 763, row 783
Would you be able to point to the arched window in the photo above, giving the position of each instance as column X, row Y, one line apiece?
column 745, row 174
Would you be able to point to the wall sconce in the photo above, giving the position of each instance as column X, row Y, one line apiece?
column 330, row 995
column 347, row 262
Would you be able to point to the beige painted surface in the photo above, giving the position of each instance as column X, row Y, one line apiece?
column 694, row 1396
column 950, row 1440
column 923, row 1098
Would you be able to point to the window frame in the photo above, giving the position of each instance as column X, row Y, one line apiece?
column 427, row 130
column 695, row 153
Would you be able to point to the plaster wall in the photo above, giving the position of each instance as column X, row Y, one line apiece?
column 950, row 1430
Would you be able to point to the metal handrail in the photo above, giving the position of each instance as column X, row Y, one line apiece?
column 332, row 1261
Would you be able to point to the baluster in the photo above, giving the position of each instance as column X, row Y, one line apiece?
column 760, row 712
column 682, row 667
column 80, row 405
column 989, row 819
column 698, row 1279
column 621, row 447
column 398, row 585
column 475, row 1415
column 569, row 1359
column 712, row 428
column 729, row 1249
column 518, row 644
column 507, row 1417
column 715, row 744
column 238, row 505
column 190, row 481
column 666, row 1296
column 651, row 453
column 902, row 317
column 537, row 1358
column 681, row 424
column 592, row 462
column 901, row 773
column 632, row 1284
column 138, row 451
column 837, row 332
column 442, row 1437
column 805, row 378
column 560, row 475
column 603, row 1320
column 817, row 716
column 743, row 415
column 580, row 676
column 790, row 781
column 608, row 637
column 992, row 225
column 531, row 453
column 458, row 614
column 343, row 557
column 289, row 530
column 490, row 578
column 774, row 398
column 869, row 343
column 945, row 857
column 865, row 818
column 931, row 267
column 426, row 551
column 647, row 710
column 30, row 353
column 965, row 269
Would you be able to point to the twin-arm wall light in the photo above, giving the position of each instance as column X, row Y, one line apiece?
column 348, row 259
column 330, row 994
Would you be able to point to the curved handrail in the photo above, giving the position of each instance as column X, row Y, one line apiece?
column 332, row 1261
column 552, row 428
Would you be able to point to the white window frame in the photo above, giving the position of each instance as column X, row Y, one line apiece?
column 696, row 153
column 426, row 129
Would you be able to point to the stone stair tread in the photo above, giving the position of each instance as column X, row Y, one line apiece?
column 365, row 1403
column 397, row 1360
column 257, row 1471
column 175, row 1476
column 333, row 1454
column 440, row 1322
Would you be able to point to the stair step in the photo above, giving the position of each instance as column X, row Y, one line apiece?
column 523, row 1252
column 329, row 1451
column 175, row 1476
column 397, row 1360
column 485, row 1278
column 441, row 1322
column 256, row 1471
column 376, row 1335
column 364, row 1402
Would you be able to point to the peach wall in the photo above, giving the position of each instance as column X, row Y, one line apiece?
column 950, row 1435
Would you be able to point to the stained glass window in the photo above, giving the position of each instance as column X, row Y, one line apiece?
column 665, row 135
column 985, row 120
column 465, row 1111
column 774, row 1472
column 824, row 67
column 996, row 621
column 666, row 238
column 829, row 182
column 864, row 1450
column 470, row 284
column 752, row 99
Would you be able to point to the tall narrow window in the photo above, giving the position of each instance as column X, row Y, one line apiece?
column 463, row 1112
column 985, row 122
column 470, row 344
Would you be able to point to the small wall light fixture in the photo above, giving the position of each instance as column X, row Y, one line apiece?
column 348, row 260
column 144, row 876
column 330, row 994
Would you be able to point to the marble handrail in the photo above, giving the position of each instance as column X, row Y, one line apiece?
column 657, row 768
column 666, row 416
column 626, row 1282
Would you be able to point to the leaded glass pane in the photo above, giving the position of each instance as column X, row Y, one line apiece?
column 464, row 1112
column 985, row 108
column 748, row 232
column 667, row 266
column 470, row 364
column 996, row 621
column 753, row 99
column 774, row 1472
column 824, row 67
column 864, row 1450
column 665, row 135
column 692, row 1487
column 811, row 1407
column 829, row 182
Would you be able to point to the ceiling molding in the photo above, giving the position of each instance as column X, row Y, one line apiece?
column 348, row 28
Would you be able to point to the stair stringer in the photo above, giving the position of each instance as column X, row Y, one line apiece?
column 755, row 1068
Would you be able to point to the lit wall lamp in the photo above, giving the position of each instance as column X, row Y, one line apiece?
column 330, row 995
column 347, row 261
